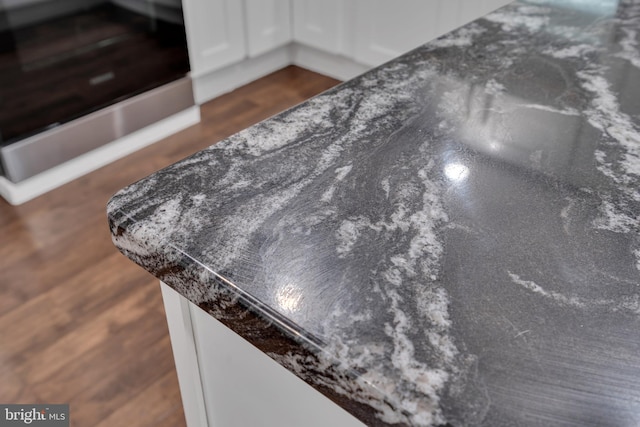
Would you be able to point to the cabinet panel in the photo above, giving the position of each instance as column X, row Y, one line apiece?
column 386, row 29
column 215, row 33
column 241, row 386
column 319, row 23
column 268, row 25
column 473, row 10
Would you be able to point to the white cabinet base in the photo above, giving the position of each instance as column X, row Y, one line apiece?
column 226, row 382
column 210, row 85
column 215, row 83
column 336, row 66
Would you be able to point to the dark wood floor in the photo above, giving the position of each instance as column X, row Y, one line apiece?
column 81, row 324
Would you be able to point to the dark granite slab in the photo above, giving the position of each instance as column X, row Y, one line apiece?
column 452, row 237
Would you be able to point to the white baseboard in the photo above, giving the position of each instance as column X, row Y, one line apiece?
column 215, row 83
column 332, row 65
column 55, row 177
column 210, row 85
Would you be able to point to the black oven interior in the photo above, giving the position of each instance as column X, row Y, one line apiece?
column 63, row 59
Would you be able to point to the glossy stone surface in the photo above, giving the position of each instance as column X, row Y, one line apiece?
column 451, row 238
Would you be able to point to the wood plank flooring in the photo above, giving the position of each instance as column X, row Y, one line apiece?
column 80, row 323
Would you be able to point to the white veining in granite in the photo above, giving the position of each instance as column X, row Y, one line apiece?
column 630, row 303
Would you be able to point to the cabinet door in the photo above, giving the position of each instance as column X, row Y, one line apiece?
column 319, row 23
column 268, row 25
column 215, row 33
column 240, row 385
column 460, row 12
column 388, row 28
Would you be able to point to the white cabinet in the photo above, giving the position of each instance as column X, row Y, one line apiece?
column 468, row 11
column 224, row 32
column 215, row 34
column 385, row 29
column 232, row 42
column 268, row 25
column 226, row 382
column 320, row 24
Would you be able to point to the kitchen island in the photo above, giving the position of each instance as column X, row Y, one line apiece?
column 450, row 238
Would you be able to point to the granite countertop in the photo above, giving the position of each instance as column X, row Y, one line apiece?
column 452, row 237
